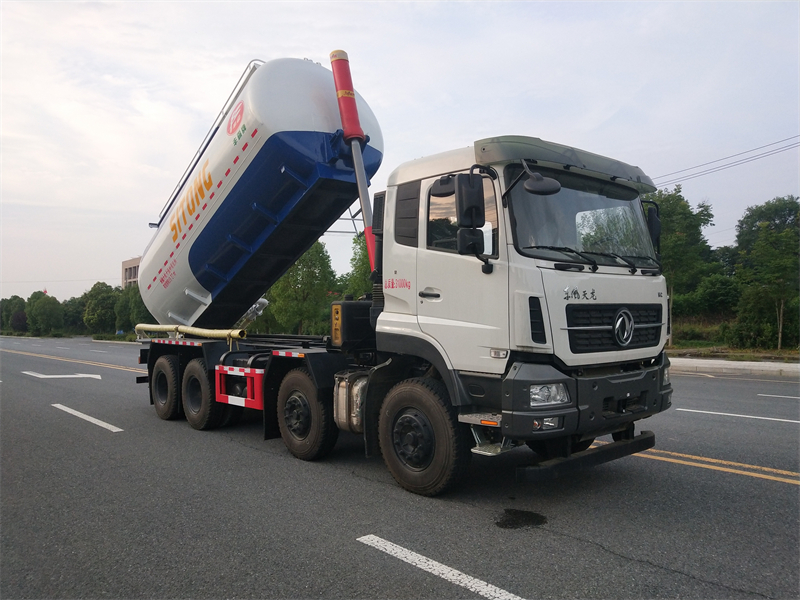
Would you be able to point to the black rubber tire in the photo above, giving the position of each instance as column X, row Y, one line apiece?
column 425, row 448
column 305, row 420
column 538, row 447
column 165, row 387
column 231, row 415
column 199, row 405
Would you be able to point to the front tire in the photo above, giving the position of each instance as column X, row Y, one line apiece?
column 199, row 405
column 424, row 446
column 165, row 387
column 305, row 420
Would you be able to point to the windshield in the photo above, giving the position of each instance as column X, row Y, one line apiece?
column 587, row 221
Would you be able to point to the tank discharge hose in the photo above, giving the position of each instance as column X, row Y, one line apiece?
column 216, row 334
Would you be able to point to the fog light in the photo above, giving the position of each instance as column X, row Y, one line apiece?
column 547, row 423
column 548, row 394
column 665, row 377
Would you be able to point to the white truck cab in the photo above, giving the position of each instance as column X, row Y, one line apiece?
column 557, row 325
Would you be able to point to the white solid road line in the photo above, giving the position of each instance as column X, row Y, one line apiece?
column 774, row 396
column 431, row 566
column 708, row 412
column 80, row 415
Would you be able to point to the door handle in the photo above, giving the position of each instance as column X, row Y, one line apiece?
column 429, row 295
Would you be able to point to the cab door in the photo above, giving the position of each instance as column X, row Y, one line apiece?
column 464, row 309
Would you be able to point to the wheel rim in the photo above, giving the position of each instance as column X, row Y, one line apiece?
column 194, row 395
column 413, row 439
column 297, row 415
column 161, row 389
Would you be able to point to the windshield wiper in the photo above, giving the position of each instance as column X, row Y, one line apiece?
column 650, row 258
column 630, row 263
column 656, row 271
column 566, row 250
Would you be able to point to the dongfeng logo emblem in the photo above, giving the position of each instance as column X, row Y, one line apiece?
column 623, row 327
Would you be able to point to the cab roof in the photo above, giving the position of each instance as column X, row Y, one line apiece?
column 512, row 148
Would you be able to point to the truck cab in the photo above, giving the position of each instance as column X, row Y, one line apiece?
column 553, row 333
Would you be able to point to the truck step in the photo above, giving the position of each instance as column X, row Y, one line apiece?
column 491, row 449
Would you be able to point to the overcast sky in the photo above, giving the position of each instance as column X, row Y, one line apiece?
column 104, row 105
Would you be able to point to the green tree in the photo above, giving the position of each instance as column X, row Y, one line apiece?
column 300, row 299
column 122, row 309
column 19, row 321
column 11, row 306
column 771, row 273
column 779, row 214
column 685, row 252
column 139, row 312
column 357, row 281
column 49, row 315
column 34, row 327
column 73, row 314
column 716, row 296
column 727, row 257
column 99, row 315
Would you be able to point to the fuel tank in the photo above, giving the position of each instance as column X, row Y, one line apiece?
column 273, row 175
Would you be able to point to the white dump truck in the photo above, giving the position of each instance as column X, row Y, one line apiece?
column 517, row 300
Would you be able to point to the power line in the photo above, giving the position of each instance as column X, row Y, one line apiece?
column 727, row 166
column 727, row 157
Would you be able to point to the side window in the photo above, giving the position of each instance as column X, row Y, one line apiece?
column 442, row 228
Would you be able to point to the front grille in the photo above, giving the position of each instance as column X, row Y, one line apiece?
column 591, row 327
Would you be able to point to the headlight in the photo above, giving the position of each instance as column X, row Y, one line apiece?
column 665, row 377
column 548, row 394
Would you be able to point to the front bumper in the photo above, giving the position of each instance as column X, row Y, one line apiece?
column 601, row 402
column 556, row 467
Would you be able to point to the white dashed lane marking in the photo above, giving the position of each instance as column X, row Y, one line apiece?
column 477, row 586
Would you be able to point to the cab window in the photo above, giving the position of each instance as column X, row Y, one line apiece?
column 442, row 228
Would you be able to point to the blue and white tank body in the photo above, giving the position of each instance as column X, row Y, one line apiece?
column 275, row 175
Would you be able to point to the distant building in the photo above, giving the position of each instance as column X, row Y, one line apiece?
column 130, row 271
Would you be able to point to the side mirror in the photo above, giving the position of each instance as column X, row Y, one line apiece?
column 541, row 186
column 470, row 211
column 470, row 215
column 654, row 227
column 469, row 241
column 444, row 187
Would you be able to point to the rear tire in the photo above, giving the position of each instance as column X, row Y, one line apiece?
column 425, row 448
column 165, row 388
column 231, row 415
column 305, row 420
column 199, row 405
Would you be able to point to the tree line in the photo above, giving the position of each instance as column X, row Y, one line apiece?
column 744, row 295
column 102, row 310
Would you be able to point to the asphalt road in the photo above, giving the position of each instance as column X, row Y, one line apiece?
column 158, row 510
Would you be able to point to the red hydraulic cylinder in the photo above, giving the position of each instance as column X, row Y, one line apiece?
column 346, row 96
